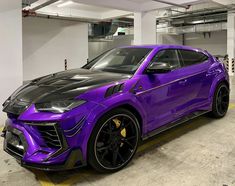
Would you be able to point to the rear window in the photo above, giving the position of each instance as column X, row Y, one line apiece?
column 192, row 57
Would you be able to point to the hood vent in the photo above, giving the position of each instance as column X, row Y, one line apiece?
column 114, row 89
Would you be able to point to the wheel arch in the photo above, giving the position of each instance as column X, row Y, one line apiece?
column 135, row 112
column 126, row 106
column 218, row 80
column 226, row 82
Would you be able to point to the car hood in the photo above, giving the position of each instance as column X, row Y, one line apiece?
column 65, row 85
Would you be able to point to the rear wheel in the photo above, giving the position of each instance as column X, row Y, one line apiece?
column 114, row 141
column 220, row 101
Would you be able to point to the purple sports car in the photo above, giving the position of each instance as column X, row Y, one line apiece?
column 97, row 114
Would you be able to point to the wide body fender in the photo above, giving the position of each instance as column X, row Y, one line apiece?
column 106, row 106
column 217, row 80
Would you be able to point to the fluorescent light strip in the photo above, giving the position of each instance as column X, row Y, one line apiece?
column 65, row 4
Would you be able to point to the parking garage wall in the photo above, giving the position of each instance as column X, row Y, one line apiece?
column 213, row 42
column 99, row 46
column 48, row 42
column 11, row 74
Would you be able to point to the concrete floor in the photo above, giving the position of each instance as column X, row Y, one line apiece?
column 199, row 152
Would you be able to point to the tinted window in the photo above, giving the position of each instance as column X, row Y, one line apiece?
column 168, row 56
column 120, row 60
column 192, row 57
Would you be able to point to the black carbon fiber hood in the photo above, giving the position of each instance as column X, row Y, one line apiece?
column 64, row 85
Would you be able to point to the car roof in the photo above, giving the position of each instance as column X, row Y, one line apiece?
column 164, row 46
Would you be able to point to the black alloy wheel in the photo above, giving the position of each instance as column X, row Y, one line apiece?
column 115, row 142
column 221, row 101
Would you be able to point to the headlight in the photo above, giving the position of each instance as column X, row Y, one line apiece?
column 6, row 102
column 58, row 106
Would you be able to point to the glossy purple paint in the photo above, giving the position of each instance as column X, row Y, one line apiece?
column 158, row 98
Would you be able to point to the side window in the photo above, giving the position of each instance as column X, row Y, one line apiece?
column 169, row 56
column 192, row 57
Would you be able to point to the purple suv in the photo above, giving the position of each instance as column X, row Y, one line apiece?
column 99, row 113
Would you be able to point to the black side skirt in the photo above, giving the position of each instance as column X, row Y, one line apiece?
column 173, row 124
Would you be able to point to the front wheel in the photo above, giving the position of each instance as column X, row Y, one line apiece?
column 113, row 141
column 220, row 101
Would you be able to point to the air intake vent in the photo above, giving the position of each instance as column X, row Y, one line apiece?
column 114, row 89
column 50, row 136
column 12, row 116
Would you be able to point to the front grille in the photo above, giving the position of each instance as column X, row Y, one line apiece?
column 50, row 136
column 15, row 143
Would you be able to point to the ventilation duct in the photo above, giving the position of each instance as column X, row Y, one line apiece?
column 27, row 2
column 196, row 28
column 101, row 30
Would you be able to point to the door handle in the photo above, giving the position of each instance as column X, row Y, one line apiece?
column 182, row 82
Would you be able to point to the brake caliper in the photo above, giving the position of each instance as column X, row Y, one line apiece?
column 118, row 125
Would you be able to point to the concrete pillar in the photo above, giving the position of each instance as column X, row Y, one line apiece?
column 231, row 39
column 11, row 73
column 145, row 28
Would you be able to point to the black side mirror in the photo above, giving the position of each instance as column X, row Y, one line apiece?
column 158, row 67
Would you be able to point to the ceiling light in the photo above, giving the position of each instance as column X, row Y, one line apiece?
column 65, row 4
column 198, row 21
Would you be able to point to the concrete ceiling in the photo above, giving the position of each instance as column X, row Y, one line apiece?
column 101, row 9
column 133, row 5
column 80, row 6
column 225, row 2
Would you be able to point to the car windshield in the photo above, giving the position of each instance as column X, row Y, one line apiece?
column 119, row 60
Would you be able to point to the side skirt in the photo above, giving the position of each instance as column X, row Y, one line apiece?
column 173, row 124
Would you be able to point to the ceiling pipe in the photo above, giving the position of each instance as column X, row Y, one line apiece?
column 173, row 4
column 45, row 16
column 198, row 28
column 44, row 5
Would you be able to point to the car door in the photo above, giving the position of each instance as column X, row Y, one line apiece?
column 195, row 65
column 162, row 94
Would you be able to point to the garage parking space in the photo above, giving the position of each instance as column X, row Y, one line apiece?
column 198, row 152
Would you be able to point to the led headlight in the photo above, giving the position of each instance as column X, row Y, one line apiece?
column 6, row 102
column 58, row 106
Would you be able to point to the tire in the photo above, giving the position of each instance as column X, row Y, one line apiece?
column 220, row 101
column 114, row 141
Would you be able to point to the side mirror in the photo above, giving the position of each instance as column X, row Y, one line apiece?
column 158, row 67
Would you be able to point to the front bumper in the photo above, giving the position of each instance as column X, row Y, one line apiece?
column 70, row 163
column 26, row 147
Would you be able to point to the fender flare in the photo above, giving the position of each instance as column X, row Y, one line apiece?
column 101, row 109
column 217, row 80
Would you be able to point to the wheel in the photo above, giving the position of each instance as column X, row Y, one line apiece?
column 220, row 101
column 114, row 141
